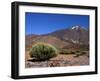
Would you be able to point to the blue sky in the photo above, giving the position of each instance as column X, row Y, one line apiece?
column 43, row 23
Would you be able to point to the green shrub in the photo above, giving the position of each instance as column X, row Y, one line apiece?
column 83, row 52
column 77, row 51
column 77, row 54
column 64, row 51
column 43, row 51
column 72, row 52
column 80, row 53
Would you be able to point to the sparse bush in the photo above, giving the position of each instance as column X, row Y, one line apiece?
column 77, row 51
column 72, row 52
column 43, row 51
column 77, row 54
column 83, row 52
column 64, row 51
column 67, row 52
column 80, row 53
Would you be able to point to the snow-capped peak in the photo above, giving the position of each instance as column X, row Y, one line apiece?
column 75, row 27
column 78, row 28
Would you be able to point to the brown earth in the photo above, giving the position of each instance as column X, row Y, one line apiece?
column 59, row 61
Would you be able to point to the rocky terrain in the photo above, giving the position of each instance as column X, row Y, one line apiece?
column 59, row 61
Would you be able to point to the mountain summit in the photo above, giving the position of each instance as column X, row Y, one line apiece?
column 77, row 27
column 75, row 34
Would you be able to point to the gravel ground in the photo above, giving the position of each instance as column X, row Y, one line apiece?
column 59, row 61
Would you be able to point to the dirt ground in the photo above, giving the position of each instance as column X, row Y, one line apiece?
column 59, row 61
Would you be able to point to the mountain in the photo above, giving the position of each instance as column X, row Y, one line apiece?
column 75, row 34
column 62, row 39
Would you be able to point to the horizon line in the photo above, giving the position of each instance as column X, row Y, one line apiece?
column 87, row 28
